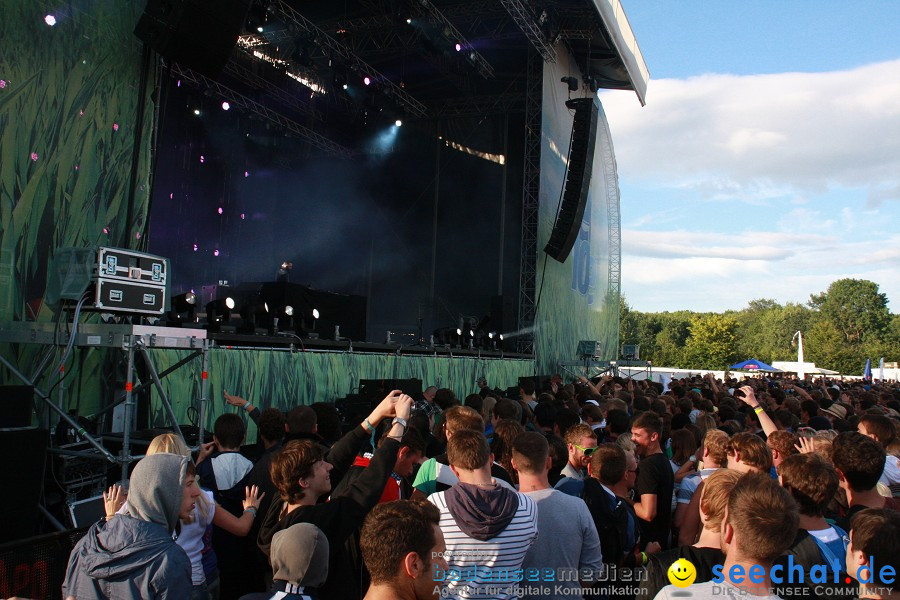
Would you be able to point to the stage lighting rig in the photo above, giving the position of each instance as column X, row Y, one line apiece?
column 218, row 312
column 281, row 319
column 253, row 317
column 572, row 82
column 183, row 309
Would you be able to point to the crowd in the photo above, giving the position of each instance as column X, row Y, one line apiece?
column 611, row 488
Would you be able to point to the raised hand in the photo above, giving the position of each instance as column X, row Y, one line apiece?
column 252, row 497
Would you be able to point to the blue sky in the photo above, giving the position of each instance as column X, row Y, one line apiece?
column 767, row 160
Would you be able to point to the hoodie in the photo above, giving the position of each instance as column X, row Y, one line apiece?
column 133, row 556
column 479, row 512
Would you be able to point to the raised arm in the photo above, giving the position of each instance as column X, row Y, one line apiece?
column 749, row 398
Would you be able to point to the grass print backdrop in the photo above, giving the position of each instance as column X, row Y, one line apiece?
column 68, row 104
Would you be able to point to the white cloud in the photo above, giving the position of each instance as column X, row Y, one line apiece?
column 729, row 136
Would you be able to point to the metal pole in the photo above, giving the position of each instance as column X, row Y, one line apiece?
column 503, row 209
column 56, row 524
column 434, row 220
column 162, row 393
column 129, row 410
column 204, row 384
column 60, row 411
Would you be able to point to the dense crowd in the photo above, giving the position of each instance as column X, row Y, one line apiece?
column 608, row 488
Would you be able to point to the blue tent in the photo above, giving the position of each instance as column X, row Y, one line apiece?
column 754, row 365
column 867, row 371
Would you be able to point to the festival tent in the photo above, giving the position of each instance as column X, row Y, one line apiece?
column 754, row 365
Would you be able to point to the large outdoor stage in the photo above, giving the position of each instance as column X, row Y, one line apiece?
column 422, row 177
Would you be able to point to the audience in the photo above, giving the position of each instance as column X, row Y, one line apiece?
column 487, row 528
column 755, row 469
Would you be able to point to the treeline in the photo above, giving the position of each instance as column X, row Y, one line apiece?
column 842, row 327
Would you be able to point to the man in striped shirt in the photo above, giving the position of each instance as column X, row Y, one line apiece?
column 487, row 528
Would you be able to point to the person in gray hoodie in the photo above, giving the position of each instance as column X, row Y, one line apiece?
column 134, row 556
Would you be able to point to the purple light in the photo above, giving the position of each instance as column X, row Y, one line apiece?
column 243, row 216
column 34, row 156
column 216, row 252
column 178, row 84
column 137, row 236
column 171, row 196
column 115, row 126
column 221, row 210
column 195, row 247
column 202, row 158
column 246, row 173
column 76, row 167
column 225, row 106
column 458, row 47
column 106, row 230
column 50, row 20
column 80, row 113
column 2, row 84
column 367, row 80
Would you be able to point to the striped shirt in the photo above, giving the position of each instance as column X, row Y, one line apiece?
column 488, row 569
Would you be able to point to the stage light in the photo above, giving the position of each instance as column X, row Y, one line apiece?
column 367, row 80
column 288, row 311
column 197, row 111
column 409, row 21
column 50, row 20
column 226, row 106
column 571, row 82
column 398, row 123
column 315, row 313
column 345, row 86
column 458, row 331
column 219, row 311
column 458, row 47
column 282, row 319
column 259, row 29
column 501, row 337
column 471, row 333
column 491, row 335
column 253, row 315
column 184, row 302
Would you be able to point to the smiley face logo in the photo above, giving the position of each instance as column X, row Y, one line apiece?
column 682, row 573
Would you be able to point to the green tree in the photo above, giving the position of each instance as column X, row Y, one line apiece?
column 855, row 307
column 712, row 343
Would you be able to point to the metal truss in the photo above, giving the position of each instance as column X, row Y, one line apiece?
column 450, row 31
column 523, row 18
column 479, row 105
column 530, row 203
column 341, row 51
column 613, row 217
column 239, row 100
column 289, row 100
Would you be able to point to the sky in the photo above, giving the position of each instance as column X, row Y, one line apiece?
column 766, row 163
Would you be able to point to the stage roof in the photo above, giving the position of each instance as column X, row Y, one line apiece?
column 425, row 59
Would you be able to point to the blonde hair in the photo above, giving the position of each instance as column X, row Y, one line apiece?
column 169, row 443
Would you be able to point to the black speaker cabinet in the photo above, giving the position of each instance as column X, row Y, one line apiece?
column 198, row 34
column 578, row 178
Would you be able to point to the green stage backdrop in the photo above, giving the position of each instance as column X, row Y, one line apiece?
column 575, row 299
column 286, row 379
column 68, row 108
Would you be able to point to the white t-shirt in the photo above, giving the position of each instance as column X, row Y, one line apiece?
column 191, row 538
column 709, row 591
column 891, row 474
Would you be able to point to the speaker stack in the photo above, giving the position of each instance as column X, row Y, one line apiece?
column 578, row 178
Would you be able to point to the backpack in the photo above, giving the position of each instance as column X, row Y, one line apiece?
column 611, row 518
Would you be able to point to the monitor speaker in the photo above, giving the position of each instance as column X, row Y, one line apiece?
column 578, row 178
column 197, row 34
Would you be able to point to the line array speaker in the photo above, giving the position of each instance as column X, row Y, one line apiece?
column 578, row 178
column 197, row 34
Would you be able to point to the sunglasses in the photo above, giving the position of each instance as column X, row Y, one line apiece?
column 586, row 451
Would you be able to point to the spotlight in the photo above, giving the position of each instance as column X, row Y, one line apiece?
column 458, row 47
column 367, row 80
column 571, row 82
column 50, row 20
column 253, row 315
column 409, row 21
column 344, row 86
column 315, row 313
column 218, row 312
column 458, row 331
column 183, row 307
column 226, row 106
column 282, row 320
column 491, row 335
column 398, row 123
column 197, row 111
column 259, row 29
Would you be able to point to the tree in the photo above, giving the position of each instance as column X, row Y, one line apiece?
column 712, row 344
column 856, row 308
